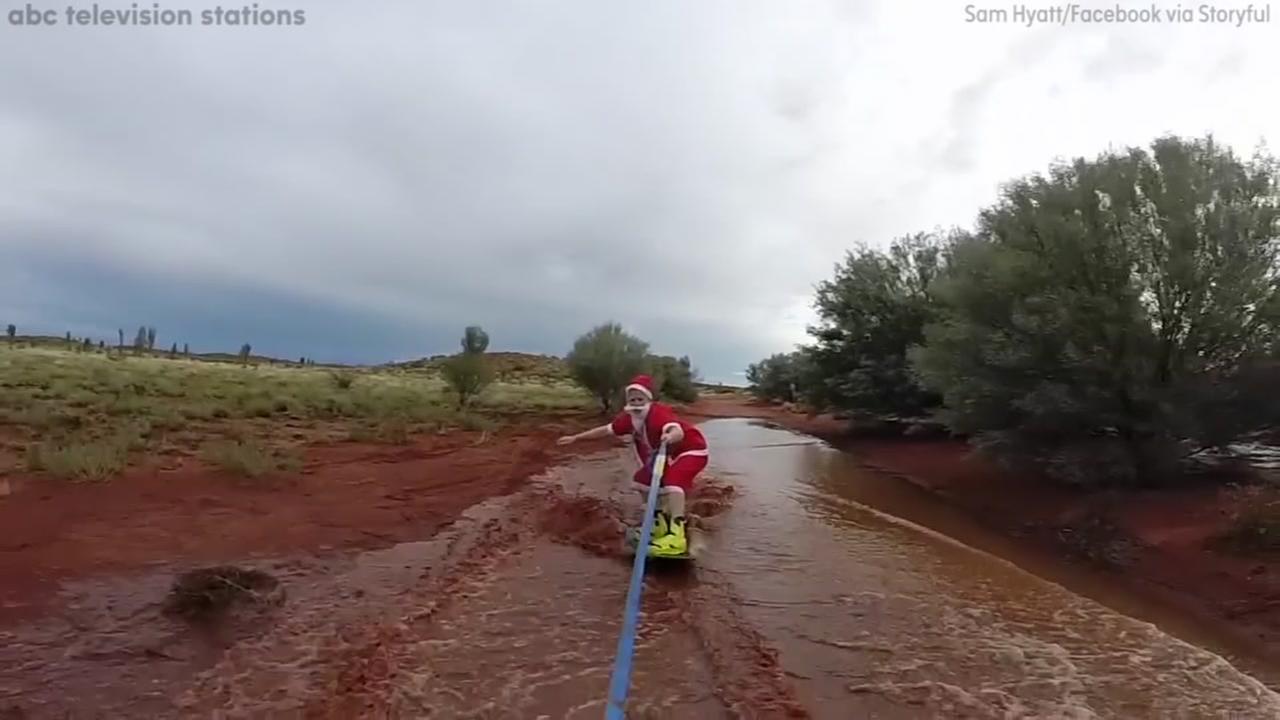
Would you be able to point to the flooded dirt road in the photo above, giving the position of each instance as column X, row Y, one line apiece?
column 806, row 601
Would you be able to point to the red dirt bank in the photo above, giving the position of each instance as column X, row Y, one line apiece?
column 1153, row 541
column 348, row 496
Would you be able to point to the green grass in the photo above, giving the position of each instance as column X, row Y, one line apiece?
column 392, row 430
column 75, row 410
column 1255, row 531
column 249, row 458
column 94, row 461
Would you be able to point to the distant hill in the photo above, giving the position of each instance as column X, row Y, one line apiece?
column 505, row 364
column 60, row 343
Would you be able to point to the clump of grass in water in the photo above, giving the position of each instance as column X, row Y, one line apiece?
column 1255, row 531
column 249, row 458
column 206, row 593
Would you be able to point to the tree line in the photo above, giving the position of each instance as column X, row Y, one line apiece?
column 602, row 362
column 1105, row 321
column 144, row 341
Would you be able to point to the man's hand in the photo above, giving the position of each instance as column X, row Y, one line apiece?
column 566, row 440
column 669, row 436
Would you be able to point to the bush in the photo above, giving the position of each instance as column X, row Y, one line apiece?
column 1255, row 527
column 468, row 373
column 781, row 377
column 97, row 460
column 248, row 458
column 870, row 316
column 673, row 379
column 1120, row 298
column 604, row 360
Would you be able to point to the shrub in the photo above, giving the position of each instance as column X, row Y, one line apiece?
column 95, row 460
column 248, row 458
column 604, row 359
column 468, row 373
column 1121, row 298
column 673, row 378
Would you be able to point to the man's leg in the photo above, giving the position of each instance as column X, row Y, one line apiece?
column 677, row 483
column 661, row 519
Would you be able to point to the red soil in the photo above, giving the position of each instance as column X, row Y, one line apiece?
column 348, row 495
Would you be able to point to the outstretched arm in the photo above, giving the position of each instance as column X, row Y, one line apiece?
column 592, row 434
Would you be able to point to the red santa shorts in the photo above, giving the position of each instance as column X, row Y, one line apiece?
column 681, row 471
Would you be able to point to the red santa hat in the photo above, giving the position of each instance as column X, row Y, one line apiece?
column 643, row 383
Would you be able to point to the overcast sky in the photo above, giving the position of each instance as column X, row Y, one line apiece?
column 361, row 187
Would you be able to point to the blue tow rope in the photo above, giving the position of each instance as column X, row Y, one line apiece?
column 621, row 678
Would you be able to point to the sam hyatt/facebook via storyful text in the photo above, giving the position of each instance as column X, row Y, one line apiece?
column 1119, row 13
column 153, row 15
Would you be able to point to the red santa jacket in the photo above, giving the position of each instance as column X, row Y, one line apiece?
column 660, row 416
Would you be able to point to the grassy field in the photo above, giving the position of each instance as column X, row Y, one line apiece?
column 88, row 414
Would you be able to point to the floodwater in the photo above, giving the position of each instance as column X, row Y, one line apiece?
column 810, row 597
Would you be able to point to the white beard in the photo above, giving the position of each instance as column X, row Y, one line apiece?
column 638, row 416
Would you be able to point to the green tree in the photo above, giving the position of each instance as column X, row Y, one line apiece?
column 782, row 377
column 468, row 373
column 121, row 346
column 1106, row 320
column 245, row 350
column 151, row 338
column 604, row 359
column 173, row 351
column 475, row 340
column 186, row 350
column 871, row 313
column 140, row 340
column 673, row 378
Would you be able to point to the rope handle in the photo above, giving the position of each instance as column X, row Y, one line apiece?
column 621, row 678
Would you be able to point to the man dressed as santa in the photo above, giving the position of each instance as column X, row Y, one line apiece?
column 649, row 424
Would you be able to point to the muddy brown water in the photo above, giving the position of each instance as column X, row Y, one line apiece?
column 817, row 592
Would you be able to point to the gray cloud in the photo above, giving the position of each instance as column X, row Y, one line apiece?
column 690, row 170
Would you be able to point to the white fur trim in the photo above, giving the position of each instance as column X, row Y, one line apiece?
column 679, row 430
column 641, row 388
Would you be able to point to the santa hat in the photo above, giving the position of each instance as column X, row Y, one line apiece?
column 643, row 383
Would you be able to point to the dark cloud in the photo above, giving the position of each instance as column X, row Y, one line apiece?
column 363, row 186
